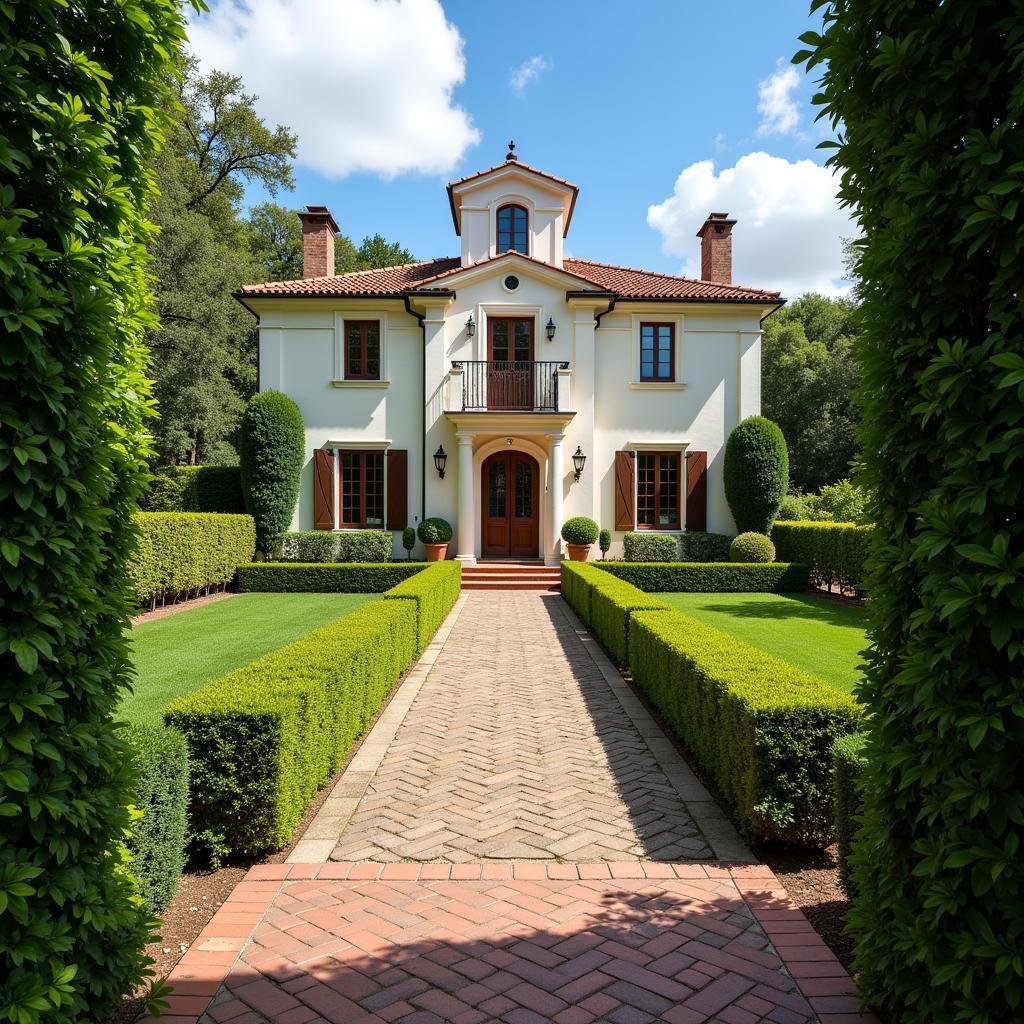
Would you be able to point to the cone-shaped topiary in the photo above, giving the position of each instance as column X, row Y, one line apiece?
column 751, row 547
column 272, row 446
column 756, row 473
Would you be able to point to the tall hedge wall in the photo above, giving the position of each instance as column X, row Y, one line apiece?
column 195, row 489
column 185, row 553
column 835, row 552
column 931, row 160
column 80, row 95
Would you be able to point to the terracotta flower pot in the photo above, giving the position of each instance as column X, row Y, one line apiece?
column 578, row 552
column 436, row 552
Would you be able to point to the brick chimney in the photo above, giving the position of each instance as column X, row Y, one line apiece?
column 716, row 249
column 318, row 231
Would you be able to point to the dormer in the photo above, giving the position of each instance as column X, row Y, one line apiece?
column 512, row 206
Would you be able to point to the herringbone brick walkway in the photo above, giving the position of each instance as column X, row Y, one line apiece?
column 517, row 747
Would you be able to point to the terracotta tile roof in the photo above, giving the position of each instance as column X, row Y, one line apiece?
column 512, row 163
column 624, row 282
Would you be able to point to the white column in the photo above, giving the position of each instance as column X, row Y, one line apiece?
column 466, row 524
column 557, row 473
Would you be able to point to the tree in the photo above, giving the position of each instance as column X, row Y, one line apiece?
column 80, row 98
column 756, row 473
column 809, row 373
column 927, row 103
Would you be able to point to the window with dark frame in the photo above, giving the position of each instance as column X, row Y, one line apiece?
column 361, row 483
column 657, row 352
column 658, row 490
column 511, row 223
column 362, row 350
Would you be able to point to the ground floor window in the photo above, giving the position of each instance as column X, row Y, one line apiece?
column 658, row 490
column 361, row 488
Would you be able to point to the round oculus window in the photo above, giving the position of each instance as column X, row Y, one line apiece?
column 511, row 283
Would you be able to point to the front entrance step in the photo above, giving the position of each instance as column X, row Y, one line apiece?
column 507, row 575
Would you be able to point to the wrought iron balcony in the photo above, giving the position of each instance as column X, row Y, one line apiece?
column 506, row 386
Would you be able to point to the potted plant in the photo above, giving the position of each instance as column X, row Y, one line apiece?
column 408, row 542
column 435, row 534
column 579, row 534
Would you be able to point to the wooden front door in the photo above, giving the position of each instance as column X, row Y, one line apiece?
column 509, row 494
column 510, row 362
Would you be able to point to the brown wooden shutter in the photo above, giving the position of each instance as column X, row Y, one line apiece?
column 697, row 491
column 398, row 489
column 323, row 489
column 625, row 504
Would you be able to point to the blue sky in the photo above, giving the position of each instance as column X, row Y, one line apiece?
column 393, row 98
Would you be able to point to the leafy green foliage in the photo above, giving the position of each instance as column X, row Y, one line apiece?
column 325, row 546
column 835, row 552
column 434, row 531
column 79, row 98
column 849, row 762
column 696, row 546
column 792, row 509
column 272, row 441
column 408, row 541
column 183, row 553
column 752, row 547
column 762, row 729
column 604, row 541
column 756, row 473
column 263, row 739
column 578, row 580
column 930, row 156
column 841, row 502
column 329, row 578
column 157, row 840
column 808, row 373
column 434, row 591
column 613, row 604
column 195, row 489
column 711, row 577
column 650, row 547
column 579, row 530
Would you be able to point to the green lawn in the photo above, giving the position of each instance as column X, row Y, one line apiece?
column 177, row 654
column 818, row 636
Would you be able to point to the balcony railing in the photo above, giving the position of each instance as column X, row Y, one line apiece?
column 502, row 385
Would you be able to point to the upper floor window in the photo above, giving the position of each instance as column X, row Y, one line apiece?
column 657, row 352
column 362, row 350
column 511, row 221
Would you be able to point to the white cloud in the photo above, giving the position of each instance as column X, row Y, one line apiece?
column 366, row 84
column 527, row 72
column 779, row 112
column 789, row 223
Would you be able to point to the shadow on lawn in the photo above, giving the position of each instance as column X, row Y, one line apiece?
column 796, row 607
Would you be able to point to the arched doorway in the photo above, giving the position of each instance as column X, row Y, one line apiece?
column 510, row 499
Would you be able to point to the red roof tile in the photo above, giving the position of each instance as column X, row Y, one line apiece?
column 624, row 282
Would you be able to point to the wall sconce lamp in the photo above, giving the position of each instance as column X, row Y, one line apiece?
column 550, row 329
column 440, row 460
column 470, row 326
column 579, row 460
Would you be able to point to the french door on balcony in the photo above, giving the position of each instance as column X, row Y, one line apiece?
column 510, row 368
column 509, row 492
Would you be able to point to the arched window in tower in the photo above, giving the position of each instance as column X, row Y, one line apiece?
column 512, row 228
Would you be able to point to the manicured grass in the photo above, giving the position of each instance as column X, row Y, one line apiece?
column 177, row 654
column 818, row 636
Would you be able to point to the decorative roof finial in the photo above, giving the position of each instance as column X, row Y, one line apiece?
column 511, row 154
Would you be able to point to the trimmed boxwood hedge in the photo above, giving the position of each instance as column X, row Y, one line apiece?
column 434, row 591
column 650, row 547
column 263, row 739
column 848, row 764
column 697, row 546
column 710, row 577
column 835, row 552
column 160, row 794
column 613, row 605
column 762, row 729
column 327, row 546
column 324, row 577
column 195, row 489
column 578, row 579
column 183, row 553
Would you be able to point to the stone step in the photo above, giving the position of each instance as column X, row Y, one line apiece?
column 510, row 584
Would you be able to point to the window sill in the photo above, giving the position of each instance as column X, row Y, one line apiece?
column 656, row 385
column 360, row 383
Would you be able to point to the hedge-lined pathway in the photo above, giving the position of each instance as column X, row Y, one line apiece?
column 515, row 841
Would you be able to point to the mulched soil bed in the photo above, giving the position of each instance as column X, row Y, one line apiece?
column 181, row 606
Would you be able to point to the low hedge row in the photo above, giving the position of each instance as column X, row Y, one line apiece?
column 650, row 547
column 195, row 489
column 263, row 739
column 183, row 553
column 578, row 579
column 328, row 546
column 848, row 765
column 158, row 837
column 710, row 577
column 761, row 728
column 613, row 605
column 434, row 591
column 835, row 552
column 697, row 546
column 324, row 577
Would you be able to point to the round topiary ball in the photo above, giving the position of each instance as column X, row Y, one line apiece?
column 756, row 473
column 434, row 531
column 579, row 530
column 751, row 547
